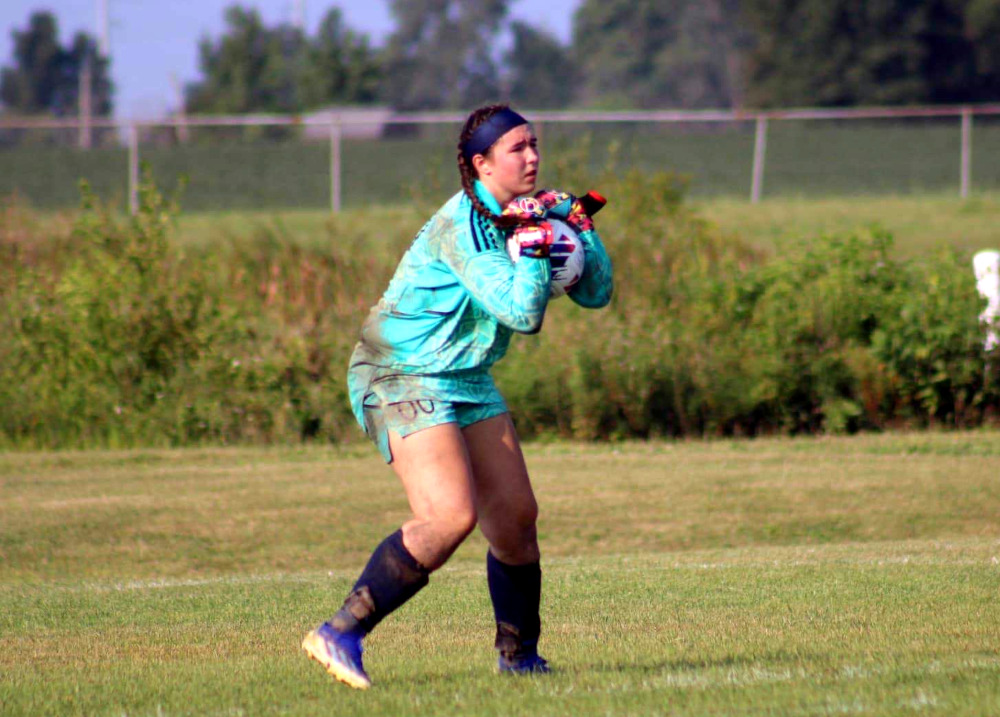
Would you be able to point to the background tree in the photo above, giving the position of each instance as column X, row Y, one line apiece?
column 659, row 53
column 46, row 76
column 540, row 72
column 441, row 53
column 704, row 66
column 341, row 67
column 982, row 28
column 253, row 68
column 852, row 52
column 250, row 68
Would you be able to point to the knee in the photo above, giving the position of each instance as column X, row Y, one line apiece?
column 455, row 526
column 431, row 539
column 524, row 518
column 518, row 521
column 515, row 539
column 464, row 523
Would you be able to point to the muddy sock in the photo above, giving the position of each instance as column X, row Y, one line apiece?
column 516, row 591
column 391, row 577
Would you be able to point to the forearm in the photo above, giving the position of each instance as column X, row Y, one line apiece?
column 515, row 295
column 596, row 286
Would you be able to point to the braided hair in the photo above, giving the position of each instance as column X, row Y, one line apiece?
column 469, row 173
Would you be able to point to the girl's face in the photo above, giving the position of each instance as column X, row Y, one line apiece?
column 510, row 168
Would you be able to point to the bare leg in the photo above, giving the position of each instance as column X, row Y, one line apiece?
column 504, row 500
column 507, row 513
column 433, row 465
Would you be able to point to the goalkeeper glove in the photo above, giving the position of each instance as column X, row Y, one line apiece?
column 534, row 240
column 526, row 209
column 573, row 211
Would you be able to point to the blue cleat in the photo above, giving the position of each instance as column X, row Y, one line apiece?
column 339, row 653
column 524, row 664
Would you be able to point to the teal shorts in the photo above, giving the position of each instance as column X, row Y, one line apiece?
column 406, row 417
column 383, row 401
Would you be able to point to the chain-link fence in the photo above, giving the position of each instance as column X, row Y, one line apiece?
column 343, row 160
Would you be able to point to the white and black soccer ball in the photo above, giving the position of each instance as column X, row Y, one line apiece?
column 566, row 257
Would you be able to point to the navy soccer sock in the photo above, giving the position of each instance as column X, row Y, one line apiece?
column 516, row 591
column 391, row 577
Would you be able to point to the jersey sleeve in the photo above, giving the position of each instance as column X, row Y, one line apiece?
column 596, row 286
column 514, row 293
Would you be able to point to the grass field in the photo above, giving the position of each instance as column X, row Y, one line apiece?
column 919, row 224
column 764, row 577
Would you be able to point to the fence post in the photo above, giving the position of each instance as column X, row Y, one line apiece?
column 133, row 168
column 335, row 164
column 759, row 151
column 966, row 161
column 85, row 94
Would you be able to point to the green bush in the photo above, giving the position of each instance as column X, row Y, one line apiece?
column 705, row 336
column 832, row 336
column 111, row 335
column 117, row 338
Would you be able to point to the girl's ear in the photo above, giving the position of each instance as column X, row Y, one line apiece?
column 481, row 165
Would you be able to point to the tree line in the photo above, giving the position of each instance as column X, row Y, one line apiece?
column 622, row 54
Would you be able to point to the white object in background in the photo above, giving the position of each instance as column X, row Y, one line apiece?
column 987, row 268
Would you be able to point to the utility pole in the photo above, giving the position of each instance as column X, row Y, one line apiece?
column 299, row 15
column 103, row 28
column 84, row 98
column 180, row 120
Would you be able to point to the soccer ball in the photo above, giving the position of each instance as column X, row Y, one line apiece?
column 566, row 257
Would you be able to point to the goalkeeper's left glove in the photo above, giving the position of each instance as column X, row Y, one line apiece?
column 563, row 205
column 526, row 209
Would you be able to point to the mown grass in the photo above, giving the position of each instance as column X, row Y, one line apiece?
column 764, row 577
column 920, row 224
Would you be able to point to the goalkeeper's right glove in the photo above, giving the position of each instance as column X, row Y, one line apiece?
column 534, row 240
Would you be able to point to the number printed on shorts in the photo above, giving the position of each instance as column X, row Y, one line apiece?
column 411, row 410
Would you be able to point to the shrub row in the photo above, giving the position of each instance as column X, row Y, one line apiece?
column 112, row 335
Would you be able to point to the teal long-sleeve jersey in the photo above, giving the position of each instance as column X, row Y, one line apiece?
column 456, row 296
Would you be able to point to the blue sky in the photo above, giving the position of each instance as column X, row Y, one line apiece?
column 154, row 43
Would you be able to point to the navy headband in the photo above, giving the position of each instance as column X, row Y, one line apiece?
column 485, row 135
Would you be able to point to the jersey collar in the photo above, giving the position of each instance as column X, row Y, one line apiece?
column 486, row 198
